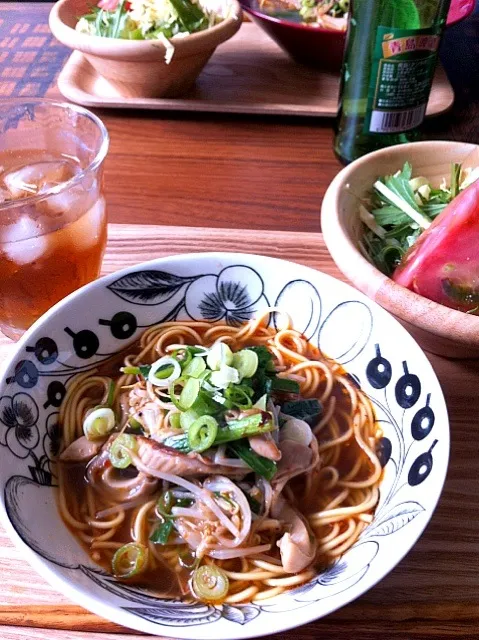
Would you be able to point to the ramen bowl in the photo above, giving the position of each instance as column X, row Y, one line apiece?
column 141, row 68
column 437, row 328
column 105, row 317
column 318, row 47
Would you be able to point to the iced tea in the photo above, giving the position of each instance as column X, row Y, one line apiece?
column 52, row 210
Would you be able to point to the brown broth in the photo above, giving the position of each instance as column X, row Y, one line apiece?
column 165, row 582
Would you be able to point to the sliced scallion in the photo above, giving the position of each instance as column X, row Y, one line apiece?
column 164, row 371
column 209, row 583
column 189, row 393
column 202, row 433
column 195, row 367
column 246, row 363
column 99, row 423
column 161, row 534
column 129, row 560
column 219, row 354
column 119, row 451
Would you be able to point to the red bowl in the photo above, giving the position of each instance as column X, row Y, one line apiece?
column 318, row 47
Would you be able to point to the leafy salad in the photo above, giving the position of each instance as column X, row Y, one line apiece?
column 147, row 19
column 400, row 208
column 426, row 238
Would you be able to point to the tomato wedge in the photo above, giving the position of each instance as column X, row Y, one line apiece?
column 443, row 264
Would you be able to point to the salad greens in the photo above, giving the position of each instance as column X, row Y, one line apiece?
column 400, row 208
column 145, row 19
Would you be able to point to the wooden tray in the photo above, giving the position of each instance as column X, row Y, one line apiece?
column 247, row 74
column 433, row 594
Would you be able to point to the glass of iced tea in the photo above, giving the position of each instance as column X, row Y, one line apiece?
column 52, row 209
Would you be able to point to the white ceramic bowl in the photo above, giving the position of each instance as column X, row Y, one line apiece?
column 437, row 328
column 105, row 316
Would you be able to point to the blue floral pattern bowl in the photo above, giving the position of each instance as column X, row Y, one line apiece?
column 107, row 315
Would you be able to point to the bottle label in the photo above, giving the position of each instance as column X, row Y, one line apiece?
column 401, row 78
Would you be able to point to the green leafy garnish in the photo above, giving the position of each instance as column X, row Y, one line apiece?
column 161, row 534
column 401, row 207
column 308, row 410
column 260, row 465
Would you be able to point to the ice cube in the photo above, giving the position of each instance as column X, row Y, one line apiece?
column 34, row 178
column 21, row 242
column 86, row 231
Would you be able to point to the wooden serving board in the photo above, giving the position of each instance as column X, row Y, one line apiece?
column 247, row 74
column 433, row 594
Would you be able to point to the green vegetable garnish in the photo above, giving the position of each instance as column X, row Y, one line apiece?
column 129, row 560
column 401, row 208
column 209, row 583
column 308, row 410
column 202, row 433
column 161, row 534
column 260, row 465
column 119, row 453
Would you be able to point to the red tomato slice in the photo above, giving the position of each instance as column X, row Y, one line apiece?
column 443, row 265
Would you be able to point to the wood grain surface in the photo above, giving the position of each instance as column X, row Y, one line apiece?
column 228, row 170
column 432, row 594
column 247, row 74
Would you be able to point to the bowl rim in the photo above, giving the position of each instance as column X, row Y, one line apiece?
column 75, row 37
column 341, row 247
column 103, row 609
column 289, row 23
column 459, row 16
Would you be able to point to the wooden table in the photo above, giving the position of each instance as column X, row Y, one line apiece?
column 229, row 170
column 271, row 173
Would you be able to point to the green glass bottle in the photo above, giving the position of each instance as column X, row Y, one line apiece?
column 390, row 57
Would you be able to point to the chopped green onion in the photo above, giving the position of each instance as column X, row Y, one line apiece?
column 164, row 504
column 246, row 363
column 129, row 560
column 119, row 451
column 195, row 367
column 252, row 425
column 183, row 502
column 187, row 418
column 219, row 354
column 260, row 465
column 133, row 423
column 175, row 420
column 161, row 534
column 202, row 433
column 209, row 583
column 142, row 370
column 239, row 396
column 189, row 393
column 110, row 398
column 99, row 423
column 246, row 427
column 224, row 376
column 164, row 371
column 184, row 357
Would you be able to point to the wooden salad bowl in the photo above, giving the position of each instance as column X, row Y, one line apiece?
column 437, row 328
column 137, row 68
